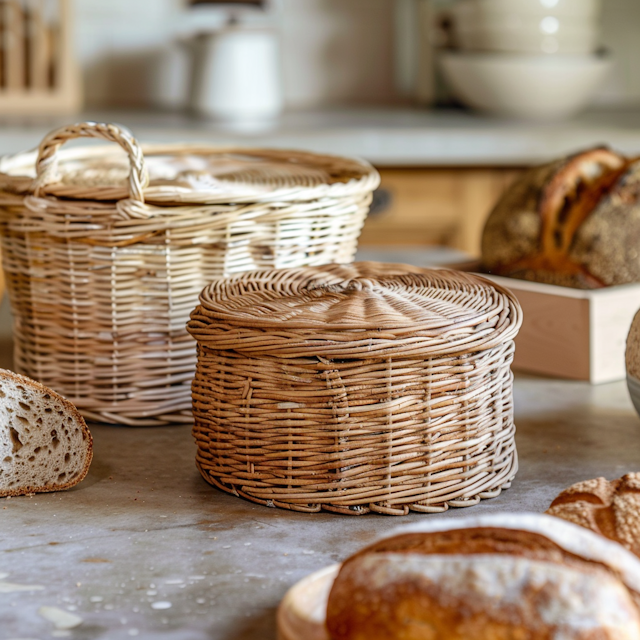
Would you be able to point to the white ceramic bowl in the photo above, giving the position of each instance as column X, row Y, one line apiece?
column 527, row 87
column 575, row 9
column 529, row 38
column 527, row 26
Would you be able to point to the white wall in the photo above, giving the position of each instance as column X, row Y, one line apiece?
column 333, row 51
column 337, row 51
column 621, row 35
column 112, row 38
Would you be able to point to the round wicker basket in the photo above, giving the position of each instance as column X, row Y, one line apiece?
column 105, row 254
column 356, row 388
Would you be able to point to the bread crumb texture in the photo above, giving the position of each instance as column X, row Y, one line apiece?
column 44, row 442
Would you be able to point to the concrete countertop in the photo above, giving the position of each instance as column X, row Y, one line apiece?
column 385, row 136
column 145, row 548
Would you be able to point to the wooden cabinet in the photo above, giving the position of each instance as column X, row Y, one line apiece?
column 436, row 206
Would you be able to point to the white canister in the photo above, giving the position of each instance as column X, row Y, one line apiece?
column 237, row 74
column 168, row 77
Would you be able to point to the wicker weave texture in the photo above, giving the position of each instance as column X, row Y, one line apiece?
column 101, row 288
column 299, row 405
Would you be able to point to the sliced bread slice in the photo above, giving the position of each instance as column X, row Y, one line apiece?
column 45, row 444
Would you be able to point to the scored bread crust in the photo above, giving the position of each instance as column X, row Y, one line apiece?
column 46, row 395
column 597, row 248
column 610, row 508
column 445, row 577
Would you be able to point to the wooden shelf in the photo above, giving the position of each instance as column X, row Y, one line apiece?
column 39, row 72
column 436, row 206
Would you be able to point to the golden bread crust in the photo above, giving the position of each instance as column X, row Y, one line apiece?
column 484, row 582
column 610, row 508
column 573, row 222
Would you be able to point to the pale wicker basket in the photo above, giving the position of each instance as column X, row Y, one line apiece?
column 105, row 254
column 356, row 388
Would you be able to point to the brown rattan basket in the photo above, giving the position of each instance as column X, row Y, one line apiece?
column 356, row 388
column 105, row 254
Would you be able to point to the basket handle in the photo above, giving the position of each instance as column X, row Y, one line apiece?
column 47, row 161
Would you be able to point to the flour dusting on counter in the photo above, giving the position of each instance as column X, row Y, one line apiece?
column 61, row 619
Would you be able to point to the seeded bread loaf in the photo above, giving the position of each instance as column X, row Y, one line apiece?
column 499, row 577
column 45, row 444
column 574, row 222
column 610, row 508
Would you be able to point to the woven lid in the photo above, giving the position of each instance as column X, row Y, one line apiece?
column 364, row 309
column 179, row 173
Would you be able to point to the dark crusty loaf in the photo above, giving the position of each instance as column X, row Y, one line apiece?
column 501, row 577
column 574, row 222
column 610, row 508
column 45, row 444
column 632, row 350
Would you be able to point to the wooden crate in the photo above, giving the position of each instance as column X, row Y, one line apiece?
column 573, row 333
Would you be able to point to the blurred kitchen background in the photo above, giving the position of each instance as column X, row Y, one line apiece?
column 450, row 99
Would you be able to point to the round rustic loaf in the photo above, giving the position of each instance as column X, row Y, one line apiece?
column 611, row 509
column 632, row 361
column 500, row 576
column 573, row 222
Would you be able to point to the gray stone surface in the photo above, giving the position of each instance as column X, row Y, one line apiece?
column 144, row 528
